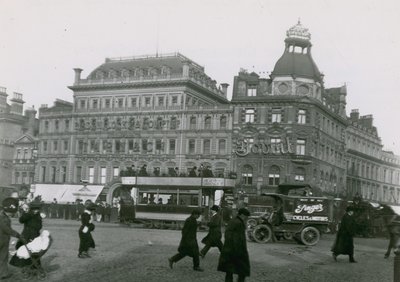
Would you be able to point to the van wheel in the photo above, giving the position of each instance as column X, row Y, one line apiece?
column 310, row 236
column 287, row 235
column 262, row 233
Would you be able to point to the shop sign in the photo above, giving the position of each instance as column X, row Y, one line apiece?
column 262, row 148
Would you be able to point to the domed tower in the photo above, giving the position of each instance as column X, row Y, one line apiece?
column 296, row 73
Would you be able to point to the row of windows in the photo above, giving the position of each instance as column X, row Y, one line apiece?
column 363, row 146
column 330, row 127
column 122, row 102
column 275, row 116
column 274, row 173
column 23, row 177
column 145, row 123
column 123, row 146
column 372, row 191
column 373, row 172
column 25, row 153
column 137, row 72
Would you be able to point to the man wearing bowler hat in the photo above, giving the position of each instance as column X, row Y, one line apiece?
column 188, row 245
column 9, row 207
column 234, row 258
column 344, row 244
column 213, row 238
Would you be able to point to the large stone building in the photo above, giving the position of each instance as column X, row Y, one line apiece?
column 14, row 124
column 371, row 172
column 289, row 128
column 160, row 111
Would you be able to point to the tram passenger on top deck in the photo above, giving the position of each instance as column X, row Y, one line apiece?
column 192, row 172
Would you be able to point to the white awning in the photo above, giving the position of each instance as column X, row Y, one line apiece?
column 67, row 193
column 396, row 209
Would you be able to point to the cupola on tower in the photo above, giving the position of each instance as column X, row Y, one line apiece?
column 295, row 73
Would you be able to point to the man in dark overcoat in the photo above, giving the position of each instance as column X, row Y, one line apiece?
column 188, row 245
column 85, row 231
column 213, row 238
column 234, row 258
column 344, row 244
column 8, row 208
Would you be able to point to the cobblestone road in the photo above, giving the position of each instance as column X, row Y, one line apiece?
column 134, row 254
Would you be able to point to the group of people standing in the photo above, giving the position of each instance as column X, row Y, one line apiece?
column 234, row 257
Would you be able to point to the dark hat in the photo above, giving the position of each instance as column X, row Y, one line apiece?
column 243, row 211
column 349, row 208
column 35, row 205
column 215, row 208
column 10, row 204
column 91, row 207
column 196, row 212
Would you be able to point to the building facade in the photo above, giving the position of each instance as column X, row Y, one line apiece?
column 162, row 112
column 288, row 128
column 371, row 172
column 14, row 124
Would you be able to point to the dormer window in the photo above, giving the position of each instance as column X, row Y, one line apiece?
column 252, row 91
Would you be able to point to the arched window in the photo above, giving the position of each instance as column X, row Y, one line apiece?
column 274, row 175
column 247, row 175
column 193, row 123
column 207, row 146
column 222, row 122
column 222, row 146
column 207, row 123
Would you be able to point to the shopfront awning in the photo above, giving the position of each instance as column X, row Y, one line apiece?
column 67, row 193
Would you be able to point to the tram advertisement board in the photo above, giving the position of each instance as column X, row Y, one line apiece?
column 311, row 209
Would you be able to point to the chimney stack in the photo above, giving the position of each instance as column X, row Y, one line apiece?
column 354, row 115
column 3, row 99
column 225, row 88
column 17, row 104
column 78, row 72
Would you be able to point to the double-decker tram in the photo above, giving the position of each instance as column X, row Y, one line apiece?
column 168, row 201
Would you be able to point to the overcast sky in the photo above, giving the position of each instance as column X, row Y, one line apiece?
column 356, row 42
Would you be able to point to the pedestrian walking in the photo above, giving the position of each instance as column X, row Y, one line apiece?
column 188, row 245
column 213, row 238
column 344, row 244
column 234, row 258
column 85, row 231
column 9, row 207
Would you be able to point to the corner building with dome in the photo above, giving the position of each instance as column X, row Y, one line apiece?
column 289, row 128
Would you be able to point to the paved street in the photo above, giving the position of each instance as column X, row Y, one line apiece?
column 135, row 254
